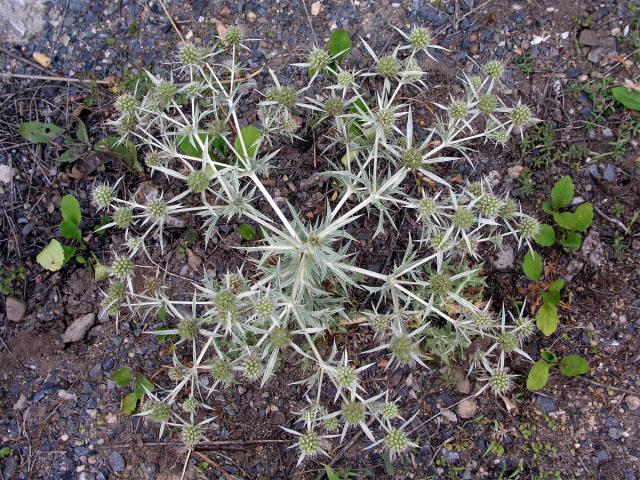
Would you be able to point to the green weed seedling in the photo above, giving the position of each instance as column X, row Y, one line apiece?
column 569, row 366
column 139, row 384
column 547, row 315
column 570, row 225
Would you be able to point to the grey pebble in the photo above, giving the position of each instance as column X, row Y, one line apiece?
column 116, row 462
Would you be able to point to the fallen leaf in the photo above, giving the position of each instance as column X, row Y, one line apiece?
column 42, row 59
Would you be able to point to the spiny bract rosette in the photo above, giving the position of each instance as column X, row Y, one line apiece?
column 428, row 304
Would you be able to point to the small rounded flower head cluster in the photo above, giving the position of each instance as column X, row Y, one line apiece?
column 280, row 337
column 458, row 110
column 319, row 59
column 494, row 69
column 116, row 294
column 153, row 159
column 520, row 115
column 188, row 329
column 164, row 92
column 384, row 120
column 191, row 55
column 529, row 227
column 252, row 368
column 489, row 205
column 487, row 104
column 346, row 377
column 160, row 412
column 191, row 435
column 389, row 411
column 102, row 196
column 412, row 159
column 508, row 209
column 264, row 308
column 462, row 218
column 402, row 348
column 440, row 284
column 285, row 96
column 379, row 323
column 344, row 79
column 224, row 301
column 483, row 320
column 122, row 267
column 123, row 217
column 333, row 106
column 396, row 441
column 309, row 443
column 353, row 412
column 508, row 342
column 233, row 36
column 420, row 38
column 426, row 207
column 190, row 405
column 500, row 381
column 330, row 425
column 157, row 209
column 525, row 328
column 222, row 371
column 388, row 66
column 197, row 181
column 126, row 104
column 177, row 373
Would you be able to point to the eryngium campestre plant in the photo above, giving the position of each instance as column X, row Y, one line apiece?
column 429, row 304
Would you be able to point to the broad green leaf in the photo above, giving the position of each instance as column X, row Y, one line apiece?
column 38, row 132
column 162, row 314
column 547, row 319
column 562, row 192
column 69, row 252
column 5, row 452
column 249, row 136
column 532, row 265
column 81, row 260
column 128, row 404
column 339, row 44
column 81, row 131
column 71, row 155
column 538, row 375
column 122, row 376
column 246, row 231
column 546, row 236
column 556, row 285
column 331, row 473
column 192, row 148
column 548, row 356
column 70, row 231
column 70, row 209
column 52, row 256
column 570, row 241
column 573, row 365
column 126, row 150
column 551, row 297
column 628, row 97
column 142, row 382
column 578, row 221
column 548, row 208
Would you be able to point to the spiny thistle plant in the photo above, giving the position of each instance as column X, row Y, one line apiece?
column 430, row 304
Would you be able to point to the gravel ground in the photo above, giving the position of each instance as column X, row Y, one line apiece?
column 59, row 407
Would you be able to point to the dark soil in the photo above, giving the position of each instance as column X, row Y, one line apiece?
column 59, row 408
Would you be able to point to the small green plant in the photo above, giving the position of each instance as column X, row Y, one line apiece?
column 525, row 64
column 570, row 225
column 8, row 277
column 526, row 184
column 44, row 133
column 56, row 255
column 139, row 384
column 627, row 96
column 569, row 366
